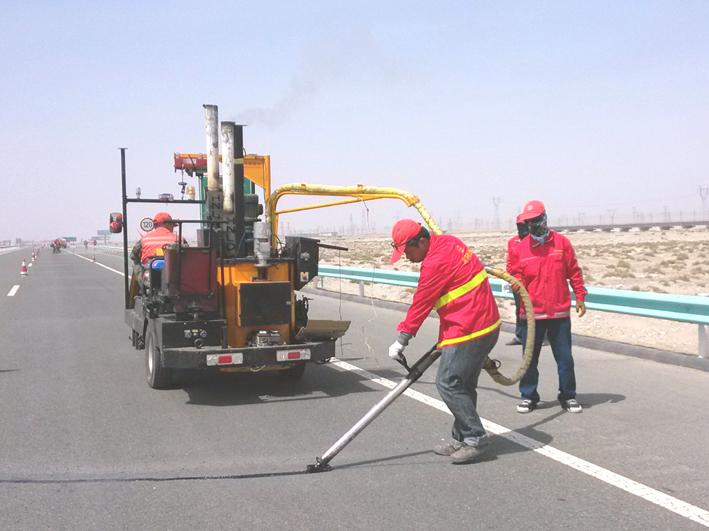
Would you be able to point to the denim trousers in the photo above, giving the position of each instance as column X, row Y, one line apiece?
column 558, row 332
column 457, row 380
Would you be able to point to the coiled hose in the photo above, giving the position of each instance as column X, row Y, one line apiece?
column 492, row 366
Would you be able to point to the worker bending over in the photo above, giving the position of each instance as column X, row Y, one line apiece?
column 452, row 280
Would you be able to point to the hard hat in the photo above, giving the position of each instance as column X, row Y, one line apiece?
column 162, row 217
column 402, row 233
column 519, row 219
column 531, row 210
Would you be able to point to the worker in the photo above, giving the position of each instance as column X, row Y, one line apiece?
column 512, row 244
column 545, row 263
column 151, row 245
column 453, row 281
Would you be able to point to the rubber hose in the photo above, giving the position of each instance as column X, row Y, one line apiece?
column 492, row 366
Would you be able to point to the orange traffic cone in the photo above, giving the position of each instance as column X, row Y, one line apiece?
column 23, row 268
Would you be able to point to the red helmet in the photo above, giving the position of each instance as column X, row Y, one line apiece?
column 162, row 217
column 531, row 210
column 402, row 232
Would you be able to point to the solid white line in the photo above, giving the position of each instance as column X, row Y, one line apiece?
column 675, row 505
column 13, row 290
column 687, row 510
column 99, row 264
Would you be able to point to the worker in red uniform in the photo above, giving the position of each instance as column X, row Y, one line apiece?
column 151, row 245
column 512, row 244
column 545, row 263
column 453, row 281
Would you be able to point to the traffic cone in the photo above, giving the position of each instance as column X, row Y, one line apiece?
column 23, row 268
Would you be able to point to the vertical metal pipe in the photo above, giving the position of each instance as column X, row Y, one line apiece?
column 703, row 344
column 125, row 227
column 212, row 133
column 239, row 210
column 227, row 150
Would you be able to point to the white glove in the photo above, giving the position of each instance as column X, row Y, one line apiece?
column 396, row 351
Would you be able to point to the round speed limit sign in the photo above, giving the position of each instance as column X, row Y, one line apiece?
column 146, row 224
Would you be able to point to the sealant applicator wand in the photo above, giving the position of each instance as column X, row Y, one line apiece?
column 414, row 373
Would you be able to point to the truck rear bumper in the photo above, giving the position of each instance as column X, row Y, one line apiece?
column 213, row 357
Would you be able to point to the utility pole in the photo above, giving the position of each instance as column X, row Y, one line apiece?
column 496, row 203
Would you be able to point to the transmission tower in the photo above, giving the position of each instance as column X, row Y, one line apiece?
column 496, row 200
column 704, row 195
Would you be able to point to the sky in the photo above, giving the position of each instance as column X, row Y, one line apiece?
column 596, row 108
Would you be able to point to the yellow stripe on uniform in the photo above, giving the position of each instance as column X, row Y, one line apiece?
column 456, row 340
column 461, row 290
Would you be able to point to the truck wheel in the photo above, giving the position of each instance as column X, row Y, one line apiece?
column 158, row 376
column 294, row 373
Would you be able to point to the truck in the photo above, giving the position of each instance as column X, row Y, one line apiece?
column 231, row 302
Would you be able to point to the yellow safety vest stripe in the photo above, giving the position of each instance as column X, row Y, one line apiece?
column 461, row 290
column 456, row 340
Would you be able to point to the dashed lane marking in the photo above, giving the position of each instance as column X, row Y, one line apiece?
column 13, row 290
column 670, row 503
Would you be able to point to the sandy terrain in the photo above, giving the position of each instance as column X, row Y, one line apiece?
column 674, row 261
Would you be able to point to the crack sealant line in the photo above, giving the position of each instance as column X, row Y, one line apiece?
column 665, row 501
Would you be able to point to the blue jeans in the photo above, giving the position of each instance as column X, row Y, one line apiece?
column 457, row 380
column 558, row 332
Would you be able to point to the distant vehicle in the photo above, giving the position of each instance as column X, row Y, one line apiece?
column 166, row 197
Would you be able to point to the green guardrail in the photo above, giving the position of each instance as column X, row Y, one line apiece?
column 682, row 308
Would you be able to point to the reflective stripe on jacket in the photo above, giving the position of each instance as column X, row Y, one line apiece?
column 545, row 270
column 152, row 243
column 453, row 281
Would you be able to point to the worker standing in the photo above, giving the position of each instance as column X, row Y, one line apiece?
column 453, row 281
column 545, row 263
column 512, row 257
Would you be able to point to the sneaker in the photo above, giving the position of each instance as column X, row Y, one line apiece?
column 571, row 405
column 525, row 406
column 514, row 341
column 446, row 448
column 468, row 454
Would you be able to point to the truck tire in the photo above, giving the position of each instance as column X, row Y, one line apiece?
column 158, row 376
column 294, row 373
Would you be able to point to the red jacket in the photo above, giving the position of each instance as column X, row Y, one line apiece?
column 453, row 281
column 512, row 254
column 152, row 243
column 544, row 269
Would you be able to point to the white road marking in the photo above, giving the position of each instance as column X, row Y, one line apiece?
column 13, row 290
column 677, row 506
column 670, row 503
column 99, row 264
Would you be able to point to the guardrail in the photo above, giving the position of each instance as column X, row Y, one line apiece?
column 682, row 308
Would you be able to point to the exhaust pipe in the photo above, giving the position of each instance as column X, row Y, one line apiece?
column 212, row 131
column 227, row 150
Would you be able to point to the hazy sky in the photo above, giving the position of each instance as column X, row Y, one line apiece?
column 590, row 106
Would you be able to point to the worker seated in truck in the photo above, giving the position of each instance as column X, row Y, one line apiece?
column 151, row 246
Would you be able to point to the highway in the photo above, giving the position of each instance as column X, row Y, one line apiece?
column 86, row 444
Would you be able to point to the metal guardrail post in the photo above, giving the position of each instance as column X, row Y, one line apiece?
column 361, row 288
column 703, row 350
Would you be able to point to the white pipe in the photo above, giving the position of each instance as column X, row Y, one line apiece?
column 227, row 150
column 212, row 131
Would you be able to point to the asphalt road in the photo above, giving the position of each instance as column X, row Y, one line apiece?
column 86, row 444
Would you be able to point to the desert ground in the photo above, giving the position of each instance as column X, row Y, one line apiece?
column 672, row 261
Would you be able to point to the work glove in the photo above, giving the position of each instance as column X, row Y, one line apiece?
column 396, row 351
column 580, row 308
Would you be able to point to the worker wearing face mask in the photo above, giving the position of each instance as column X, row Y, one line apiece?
column 512, row 244
column 546, row 263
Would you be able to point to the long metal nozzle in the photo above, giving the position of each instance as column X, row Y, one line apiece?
column 322, row 462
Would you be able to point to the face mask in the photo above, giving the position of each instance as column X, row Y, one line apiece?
column 522, row 230
column 539, row 239
column 538, row 228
